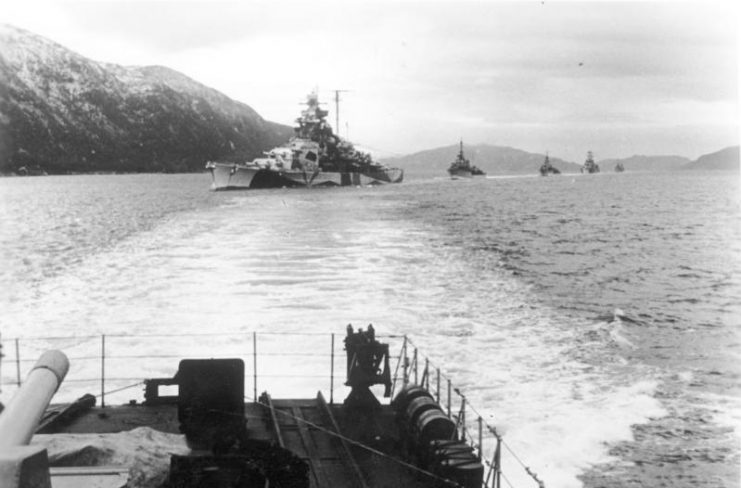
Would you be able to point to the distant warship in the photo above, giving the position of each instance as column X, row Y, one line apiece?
column 315, row 156
column 589, row 165
column 462, row 167
column 547, row 168
column 619, row 168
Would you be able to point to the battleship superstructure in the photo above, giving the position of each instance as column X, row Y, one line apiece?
column 314, row 156
column 462, row 167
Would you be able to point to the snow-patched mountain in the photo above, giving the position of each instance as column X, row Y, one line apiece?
column 66, row 113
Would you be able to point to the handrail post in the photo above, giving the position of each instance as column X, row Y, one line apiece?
column 18, row 362
column 481, row 437
column 426, row 375
column 448, row 397
column 437, row 392
column 406, row 362
column 331, row 375
column 102, row 370
column 254, row 366
column 416, row 370
column 493, row 465
column 498, row 464
column 463, row 418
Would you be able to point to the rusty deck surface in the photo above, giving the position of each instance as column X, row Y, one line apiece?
column 342, row 448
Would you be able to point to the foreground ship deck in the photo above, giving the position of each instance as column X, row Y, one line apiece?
column 306, row 427
column 425, row 437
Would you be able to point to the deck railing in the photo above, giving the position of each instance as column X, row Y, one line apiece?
column 114, row 364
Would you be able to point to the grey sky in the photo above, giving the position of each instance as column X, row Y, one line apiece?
column 615, row 78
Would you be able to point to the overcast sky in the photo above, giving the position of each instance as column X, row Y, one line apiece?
column 565, row 77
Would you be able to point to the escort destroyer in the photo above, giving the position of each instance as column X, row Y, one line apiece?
column 547, row 168
column 589, row 165
column 462, row 167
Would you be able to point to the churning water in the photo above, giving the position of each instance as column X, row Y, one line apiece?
column 593, row 319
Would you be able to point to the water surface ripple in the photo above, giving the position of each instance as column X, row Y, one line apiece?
column 593, row 319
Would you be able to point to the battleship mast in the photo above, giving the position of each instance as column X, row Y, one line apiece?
column 337, row 110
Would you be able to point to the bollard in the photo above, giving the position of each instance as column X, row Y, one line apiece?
column 21, row 417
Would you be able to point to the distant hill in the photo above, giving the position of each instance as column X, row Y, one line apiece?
column 495, row 160
column 645, row 163
column 65, row 113
column 725, row 159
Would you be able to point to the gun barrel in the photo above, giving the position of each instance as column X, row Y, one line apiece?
column 21, row 417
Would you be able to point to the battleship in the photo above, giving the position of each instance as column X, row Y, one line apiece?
column 589, row 165
column 398, row 425
column 462, row 167
column 314, row 156
column 547, row 168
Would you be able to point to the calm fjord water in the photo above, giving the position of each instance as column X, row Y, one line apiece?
column 593, row 319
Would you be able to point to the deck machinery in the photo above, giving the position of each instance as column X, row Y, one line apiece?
column 296, row 443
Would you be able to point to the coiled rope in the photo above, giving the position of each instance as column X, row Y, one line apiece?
column 365, row 447
column 530, row 472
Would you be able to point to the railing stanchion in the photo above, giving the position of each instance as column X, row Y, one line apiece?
column 437, row 393
column 18, row 362
column 406, row 362
column 396, row 372
column 254, row 366
column 498, row 464
column 416, row 370
column 448, row 397
column 331, row 375
column 102, row 370
column 494, row 462
column 463, row 418
column 481, row 437
column 426, row 375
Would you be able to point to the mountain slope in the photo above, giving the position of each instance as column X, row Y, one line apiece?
column 492, row 159
column 725, row 159
column 66, row 113
column 645, row 163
